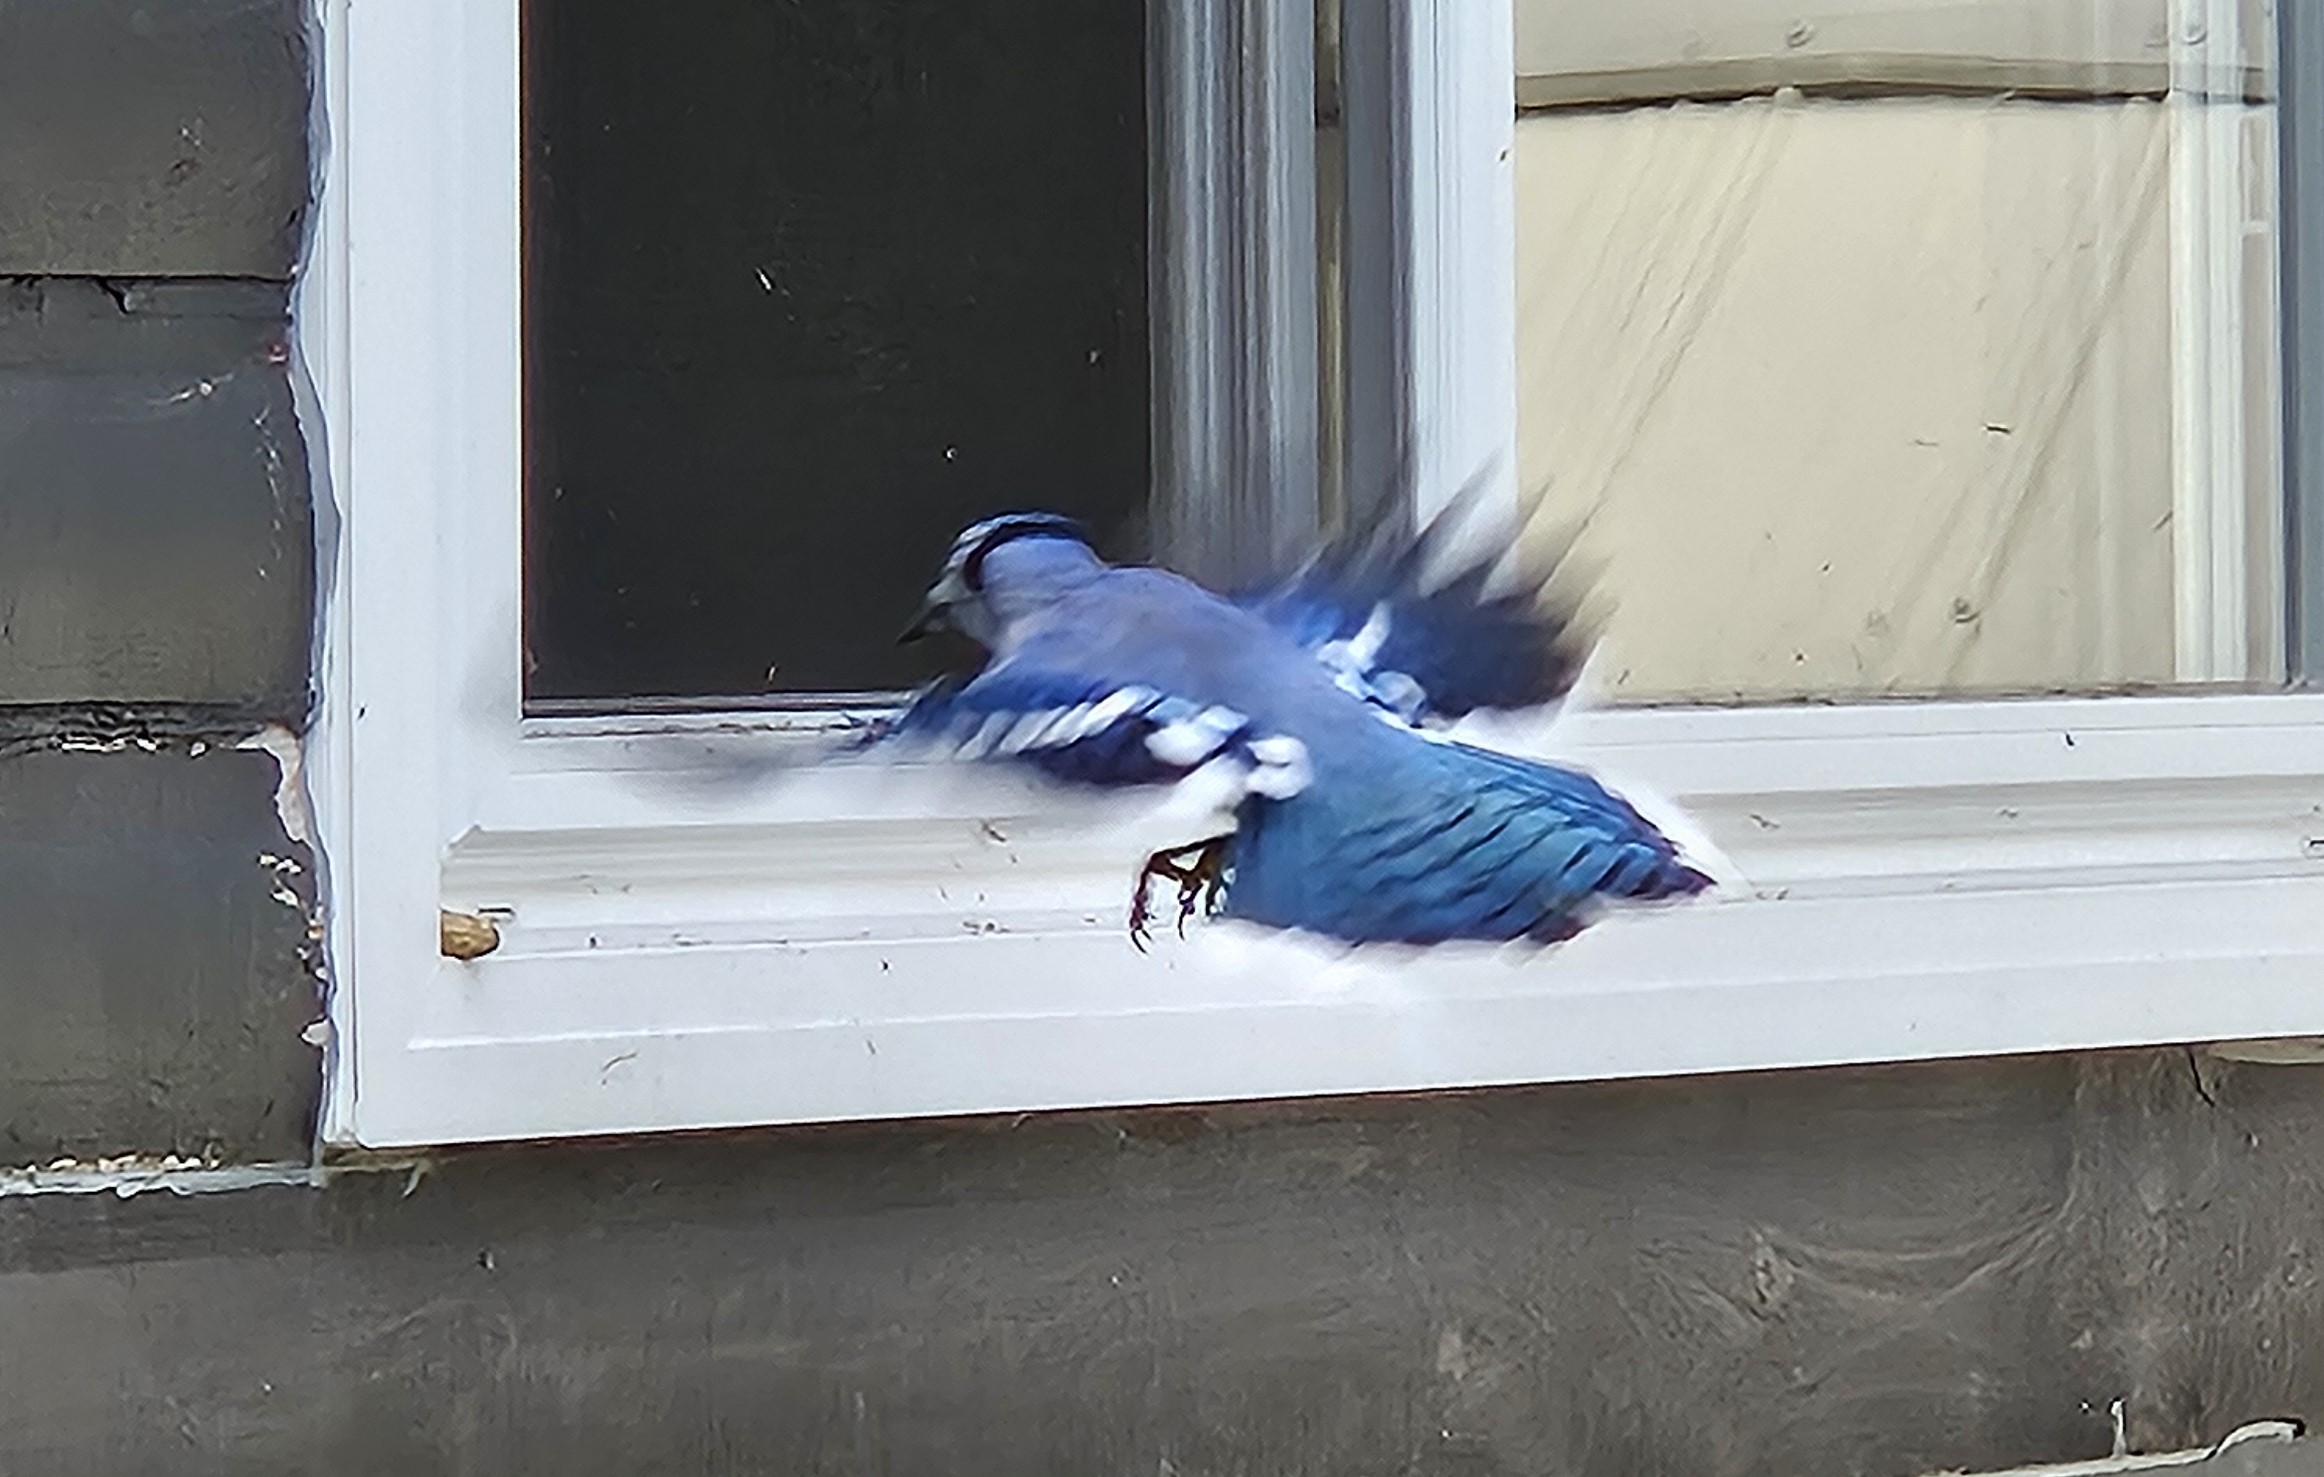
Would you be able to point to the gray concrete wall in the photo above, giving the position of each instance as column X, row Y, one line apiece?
column 156, row 581
column 1876, row 1271
column 1864, row 1271
column 152, row 138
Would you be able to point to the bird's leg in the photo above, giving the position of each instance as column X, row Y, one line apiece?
column 1202, row 881
column 1199, row 883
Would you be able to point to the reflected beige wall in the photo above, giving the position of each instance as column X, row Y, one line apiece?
column 1857, row 396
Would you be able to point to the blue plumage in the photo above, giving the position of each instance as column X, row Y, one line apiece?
column 1458, row 842
column 1351, row 822
column 1069, row 726
column 1432, row 642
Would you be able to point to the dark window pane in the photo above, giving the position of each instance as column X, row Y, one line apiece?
column 808, row 287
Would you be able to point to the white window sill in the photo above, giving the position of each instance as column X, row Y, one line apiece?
column 1926, row 881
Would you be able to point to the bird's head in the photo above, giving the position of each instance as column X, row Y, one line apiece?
column 966, row 596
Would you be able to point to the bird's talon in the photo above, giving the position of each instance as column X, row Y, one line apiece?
column 1140, row 915
column 1200, row 882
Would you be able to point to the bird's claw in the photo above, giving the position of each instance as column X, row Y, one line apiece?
column 1200, row 882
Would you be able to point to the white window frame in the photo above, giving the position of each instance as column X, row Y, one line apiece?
column 1928, row 879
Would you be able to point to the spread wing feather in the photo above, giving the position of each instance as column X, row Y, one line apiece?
column 1410, row 621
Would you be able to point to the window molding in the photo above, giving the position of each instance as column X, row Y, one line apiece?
column 1923, row 879
column 1956, row 879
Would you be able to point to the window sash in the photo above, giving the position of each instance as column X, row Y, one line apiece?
column 1932, row 879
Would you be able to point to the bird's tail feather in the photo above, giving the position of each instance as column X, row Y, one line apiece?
column 1479, row 845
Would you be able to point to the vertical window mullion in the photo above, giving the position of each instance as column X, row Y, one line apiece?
column 2300, row 145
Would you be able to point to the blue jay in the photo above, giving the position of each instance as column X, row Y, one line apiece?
column 1319, row 701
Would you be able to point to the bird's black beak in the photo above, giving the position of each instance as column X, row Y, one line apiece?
column 937, row 608
column 928, row 622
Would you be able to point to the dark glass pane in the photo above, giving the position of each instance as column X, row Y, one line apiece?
column 808, row 287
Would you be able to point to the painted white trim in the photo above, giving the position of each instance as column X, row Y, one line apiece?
column 1918, row 880
column 870, row 968
column 415, row 349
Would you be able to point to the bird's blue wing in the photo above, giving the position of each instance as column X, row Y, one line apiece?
column 1452, row 843
column 1082, row 729
column 1409, row 626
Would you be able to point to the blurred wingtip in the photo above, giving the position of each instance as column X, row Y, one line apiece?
column 709, row 770
column 1695, row 847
